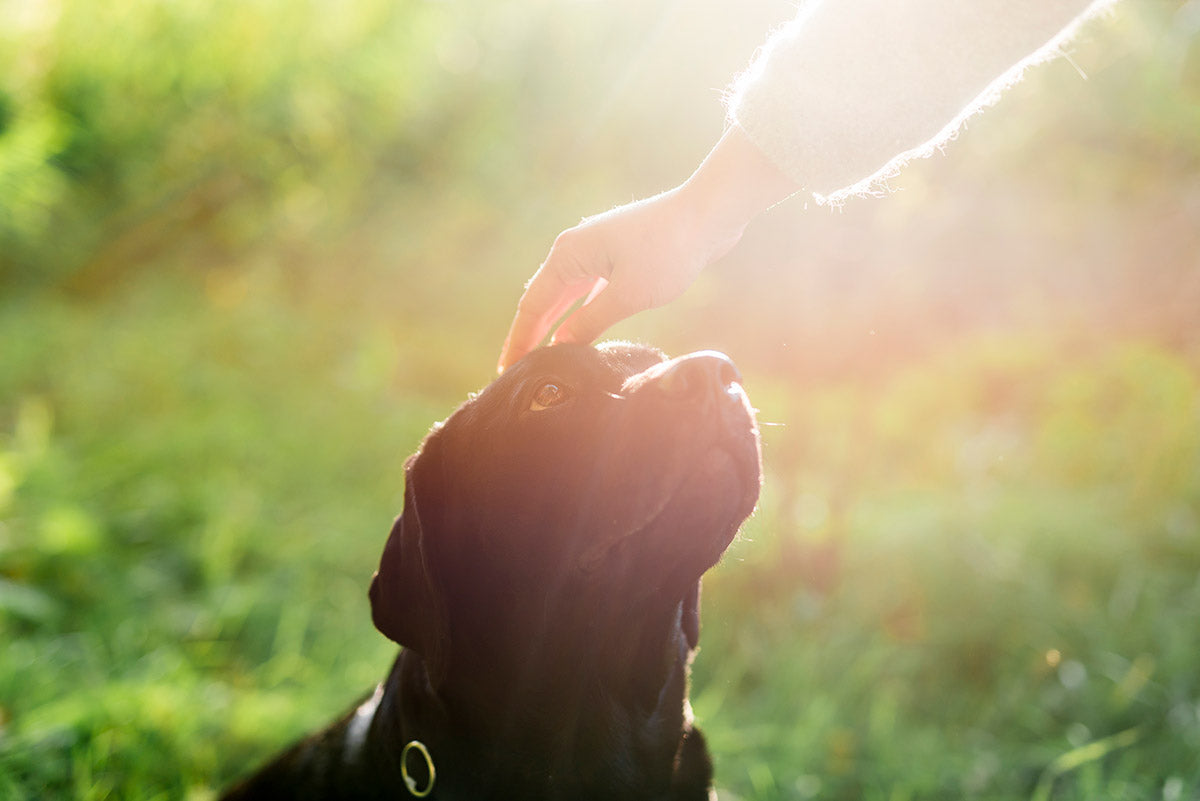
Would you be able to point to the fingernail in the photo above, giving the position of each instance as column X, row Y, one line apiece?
column 503, row 362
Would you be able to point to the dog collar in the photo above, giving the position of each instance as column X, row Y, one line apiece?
column 409, row 781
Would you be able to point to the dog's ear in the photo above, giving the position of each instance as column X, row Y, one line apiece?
column 405, row 603
column 689, row 615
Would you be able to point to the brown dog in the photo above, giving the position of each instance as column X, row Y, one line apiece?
column 544, row 581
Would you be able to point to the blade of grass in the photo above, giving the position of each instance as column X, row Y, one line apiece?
column 1077, row 757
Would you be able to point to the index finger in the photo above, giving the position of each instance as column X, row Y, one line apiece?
column 546, row 298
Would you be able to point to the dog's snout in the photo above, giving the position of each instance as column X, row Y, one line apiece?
column 698, row 376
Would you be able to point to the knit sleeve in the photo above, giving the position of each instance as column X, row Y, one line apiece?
column 842, row 95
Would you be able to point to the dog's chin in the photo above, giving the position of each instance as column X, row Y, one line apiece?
column 727, row 474
column 719, row 494
column 696, row 513
column 700, row 516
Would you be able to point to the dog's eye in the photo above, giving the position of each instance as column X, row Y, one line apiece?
column 548, row 395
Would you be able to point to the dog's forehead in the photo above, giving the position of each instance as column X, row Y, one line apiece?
column 628, row 358
column 609, row 363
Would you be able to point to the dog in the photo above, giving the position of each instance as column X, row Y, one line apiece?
column 544, row 582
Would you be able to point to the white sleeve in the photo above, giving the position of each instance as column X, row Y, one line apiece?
column 842, row 95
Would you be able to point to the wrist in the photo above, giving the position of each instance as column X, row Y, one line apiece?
column 734, row 184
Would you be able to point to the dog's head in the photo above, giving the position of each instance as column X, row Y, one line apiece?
column 572, row 503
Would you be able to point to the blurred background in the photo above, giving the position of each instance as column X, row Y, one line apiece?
column 250, row 251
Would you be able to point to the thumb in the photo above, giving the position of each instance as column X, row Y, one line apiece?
column 593, row 318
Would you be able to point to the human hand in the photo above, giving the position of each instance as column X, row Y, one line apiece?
column 644, row 254
column 635, row 257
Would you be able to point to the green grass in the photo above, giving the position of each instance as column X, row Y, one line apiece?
column 1004, row 602
column 941, row 595
column 195, row 499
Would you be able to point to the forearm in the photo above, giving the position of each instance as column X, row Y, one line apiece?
column 734, row 183
column 852, row 86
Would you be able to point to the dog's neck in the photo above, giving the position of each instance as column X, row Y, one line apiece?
column 554, row 725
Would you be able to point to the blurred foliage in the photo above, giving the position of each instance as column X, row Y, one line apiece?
column 250, row 251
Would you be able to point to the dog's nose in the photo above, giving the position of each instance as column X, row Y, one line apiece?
column 698, row 376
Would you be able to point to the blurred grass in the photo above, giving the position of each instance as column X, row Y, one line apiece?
column 988, row 592
column 249, row 252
